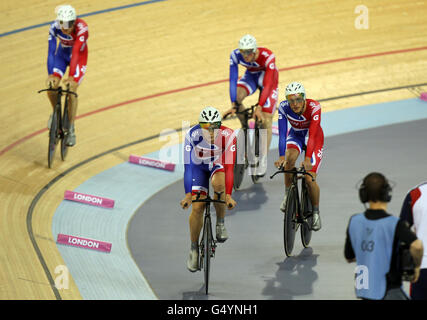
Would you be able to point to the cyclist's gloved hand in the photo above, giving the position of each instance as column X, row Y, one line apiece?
column 258, row 116
column 70, row 83
column 186, row 202
column 307, row 164
column 52, row 81
column 230, row 202
column 280, row 163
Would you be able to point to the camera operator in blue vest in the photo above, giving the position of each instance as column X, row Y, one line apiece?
column 373, row 241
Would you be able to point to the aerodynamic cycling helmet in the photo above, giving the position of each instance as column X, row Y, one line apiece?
column 66, row 15
column 295, row 88
column 247, row 43
column 210, row 115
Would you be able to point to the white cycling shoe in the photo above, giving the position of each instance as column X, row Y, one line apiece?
column 221, row 232
column 316, row 225
column 283, row 204
column 70, row 139
column 193, row 260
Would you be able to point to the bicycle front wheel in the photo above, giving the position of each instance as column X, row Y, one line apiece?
column 207, row 249
column 307, row 210
column 289, row 225
column 53, row 136
column 65, row 126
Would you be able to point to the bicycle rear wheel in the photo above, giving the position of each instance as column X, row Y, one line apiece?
column 240, row 163
column 289, row 225
column 207, row 249
column 253, row 142
column 53, row 135
column 307, row 210
column 65, row 126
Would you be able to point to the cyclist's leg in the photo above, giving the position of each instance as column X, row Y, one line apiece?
column 218, row 184
column 200, row 184
column 312, row 186
column 59, row 67
column 268, row 111
column 294, row 146
column 72, row 99
column 293, row 149
column 246, row 86
column 53, row 96
column 200, row 174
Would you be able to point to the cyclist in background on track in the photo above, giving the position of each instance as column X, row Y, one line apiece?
column 304, row 117
column 261, row 73
column 72, row 51
column 209, row 153
column 414, row 212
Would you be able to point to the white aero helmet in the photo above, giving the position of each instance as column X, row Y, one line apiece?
column 295, row 88
column 210, row 114
column 65, row 15
column 247, row 42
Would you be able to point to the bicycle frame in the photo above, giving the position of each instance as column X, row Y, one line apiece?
column 239, row 166
column 57, row 131
column 207, row 245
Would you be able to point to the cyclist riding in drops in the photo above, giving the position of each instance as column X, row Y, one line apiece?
column 71, row 51
column 304, row 117
column 209, row 153
column 261, row 73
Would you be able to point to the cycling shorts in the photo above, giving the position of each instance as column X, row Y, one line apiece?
column 62, row 60
column 201, row 174
column 298, row 141
column 251, row 82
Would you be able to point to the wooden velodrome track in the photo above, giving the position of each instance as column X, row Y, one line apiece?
column 155, row 65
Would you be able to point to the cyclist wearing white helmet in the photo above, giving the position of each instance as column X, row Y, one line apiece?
column 209, row 153
column 305, row 134
column 71, row 52
column 261, row 73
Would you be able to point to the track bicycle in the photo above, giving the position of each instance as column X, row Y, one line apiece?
column 299, row 210
column 249, row 155
column 59, row 125
column 207, row 247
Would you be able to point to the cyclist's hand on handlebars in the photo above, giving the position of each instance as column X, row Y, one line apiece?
column 52, row 81
column 229, row 113
column 307, row 164
column 280, row 163
column 186, row 202
column 70, row 84
column 258, row 116
column 229, row 201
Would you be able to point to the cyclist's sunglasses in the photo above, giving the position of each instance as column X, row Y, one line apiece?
column 66, row 24
column 210, row 125
column 246, row 52
column 295, row 98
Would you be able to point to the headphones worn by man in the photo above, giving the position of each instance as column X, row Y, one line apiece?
column 384, row 194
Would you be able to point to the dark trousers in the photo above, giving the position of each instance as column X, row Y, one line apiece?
column 418, row 289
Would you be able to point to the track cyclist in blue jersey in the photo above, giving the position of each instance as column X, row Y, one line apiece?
column 209, row 154
column 69, row 51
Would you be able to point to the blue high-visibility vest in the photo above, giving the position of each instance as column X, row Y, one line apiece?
column 372, row 242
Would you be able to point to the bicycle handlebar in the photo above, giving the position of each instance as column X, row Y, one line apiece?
column 301, row 170
column 59, row 89
column 208, row 199
column 248, row 111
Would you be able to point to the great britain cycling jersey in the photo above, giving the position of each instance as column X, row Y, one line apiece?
column 72, row 50
column 305, row 131
column 414, row 211
column 202, row 158
column 262, row 73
